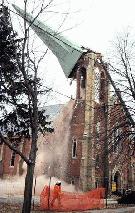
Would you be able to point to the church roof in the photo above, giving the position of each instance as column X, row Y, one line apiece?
column 53, row 110
column 66, row 51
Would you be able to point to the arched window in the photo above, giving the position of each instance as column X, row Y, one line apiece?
column 117, row 141
column 97, row 162
column 12, row 161
column 74, row 148
column 1, row 151
column 83, row 77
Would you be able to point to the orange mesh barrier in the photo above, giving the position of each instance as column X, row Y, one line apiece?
column 72, row 201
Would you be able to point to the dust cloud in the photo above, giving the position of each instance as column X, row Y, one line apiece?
column 53, row 148
column 51, row 161
column 14, row 186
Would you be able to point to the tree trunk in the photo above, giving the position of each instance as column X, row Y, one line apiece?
column 34, row 129
column 30, row 168
column 28, row 189
column 32, row 158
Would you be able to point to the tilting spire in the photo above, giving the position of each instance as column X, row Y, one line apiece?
column 66, row 52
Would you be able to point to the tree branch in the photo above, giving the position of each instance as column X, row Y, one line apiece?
column 128, row 115
column 17, row 151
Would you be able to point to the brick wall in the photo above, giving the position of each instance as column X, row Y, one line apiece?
column 76, row 134
column 119, row 145
column 11, row 164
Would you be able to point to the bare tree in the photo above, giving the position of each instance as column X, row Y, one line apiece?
column 22, row 89
column 120, row 73
column 121, row 69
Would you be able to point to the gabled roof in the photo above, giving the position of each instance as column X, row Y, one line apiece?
column 66, row 52
column 53, row 110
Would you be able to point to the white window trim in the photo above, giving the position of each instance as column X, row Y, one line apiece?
column 1, row 152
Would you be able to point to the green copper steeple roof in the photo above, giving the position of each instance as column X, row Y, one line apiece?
column 66, row 52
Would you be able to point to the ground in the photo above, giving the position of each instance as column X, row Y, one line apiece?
column 8, row 208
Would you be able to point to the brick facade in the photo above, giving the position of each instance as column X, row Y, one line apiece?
column 121, row 155
column 10, row 163
column 76, row 135
column 90, row 161
column 90, row 145
column 88, row 169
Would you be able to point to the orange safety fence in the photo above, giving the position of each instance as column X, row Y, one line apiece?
column 69, row 201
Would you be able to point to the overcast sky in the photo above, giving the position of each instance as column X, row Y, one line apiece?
column 94, row 24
